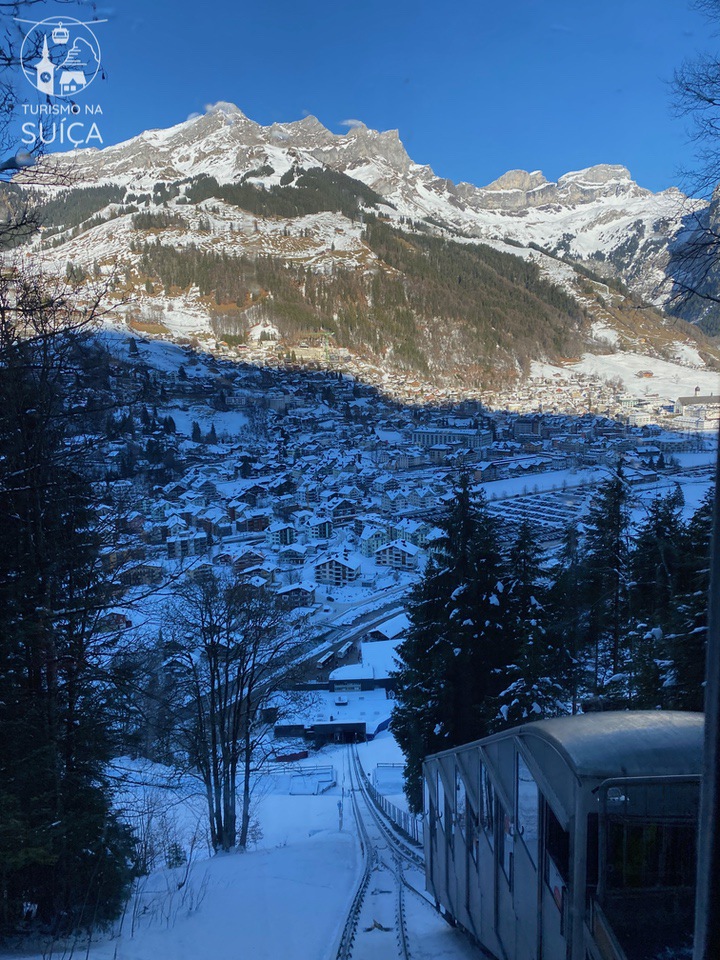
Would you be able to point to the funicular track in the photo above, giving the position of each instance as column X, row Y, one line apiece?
column 376, row 927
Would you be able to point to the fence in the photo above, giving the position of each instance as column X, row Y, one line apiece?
column 407, row 823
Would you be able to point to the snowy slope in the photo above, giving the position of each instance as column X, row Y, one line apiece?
column 599, row 214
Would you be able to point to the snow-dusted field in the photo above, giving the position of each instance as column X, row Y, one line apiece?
column 285, row 899
column 669, row 380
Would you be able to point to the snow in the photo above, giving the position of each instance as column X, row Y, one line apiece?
column 286, row 897
column 305, row 884
column 669, row 380
column 537, row 482
column 604, row 332
column 379, row 656
column 393, row 627
column 370, row 707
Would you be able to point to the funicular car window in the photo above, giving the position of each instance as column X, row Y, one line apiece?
column 528, row 807
column 488, row 806
column 460, row 803
column 649, row 855
column 557, row 855
column 506, row 840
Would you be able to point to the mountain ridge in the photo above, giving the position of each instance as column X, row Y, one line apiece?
column 300, row 195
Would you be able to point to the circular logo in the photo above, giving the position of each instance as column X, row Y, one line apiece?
column 60, row 56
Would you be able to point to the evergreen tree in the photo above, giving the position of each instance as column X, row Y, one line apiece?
column 535, row 690
column 682, row 666
column 450, row 665
column 567, row 611
column 606, row 571
column 62, row 849
column 657, row 557
column 196, row 434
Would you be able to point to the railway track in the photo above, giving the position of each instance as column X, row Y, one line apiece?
column 376, row 927
column 392, row 882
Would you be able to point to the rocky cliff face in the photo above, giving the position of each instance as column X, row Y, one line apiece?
column 598, row 216
column 221, row 227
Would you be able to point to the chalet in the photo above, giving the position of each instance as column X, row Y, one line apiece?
column 421, row 498
column 337, row 570
column 342, row 510
column 439, row 453
column 265, row 571
column 113, row 620
column 414, row 531
column 394, row 501
column 175, row 526
column 295, row 555
column 253, row 521
column 398, row 554
column 255, row 495
column 188, row 545
column 134, row 522
column 370, row 539
column 296, row 595
column 280, row 534
column 247, row 559
column 215, row 522
column 385, row 483
column 321, row 528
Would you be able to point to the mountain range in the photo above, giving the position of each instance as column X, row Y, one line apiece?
column 220, row 224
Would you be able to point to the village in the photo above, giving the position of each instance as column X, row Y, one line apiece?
column 326, row 490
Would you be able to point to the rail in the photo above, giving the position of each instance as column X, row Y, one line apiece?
column 347, row 938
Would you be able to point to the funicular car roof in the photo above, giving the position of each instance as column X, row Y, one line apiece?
column 638, row 743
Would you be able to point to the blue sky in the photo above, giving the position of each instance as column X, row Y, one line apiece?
column 474, row 88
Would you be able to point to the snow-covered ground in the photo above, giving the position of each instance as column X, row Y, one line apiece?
column 285, row 898
column 669, row 380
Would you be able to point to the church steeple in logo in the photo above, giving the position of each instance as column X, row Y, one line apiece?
column 60, row 57
column 45, row 71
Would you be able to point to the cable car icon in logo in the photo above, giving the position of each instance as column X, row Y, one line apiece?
column 60, row 56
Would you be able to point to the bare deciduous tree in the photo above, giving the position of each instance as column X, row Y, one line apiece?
column 233, row 648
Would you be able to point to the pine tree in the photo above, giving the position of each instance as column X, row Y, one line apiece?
column 567, row 613
column 683, row 649
column 606, row 570
column 535, row 690
column 657, row 557
column 62, row 849
column 450, row 665
column 196, row 435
